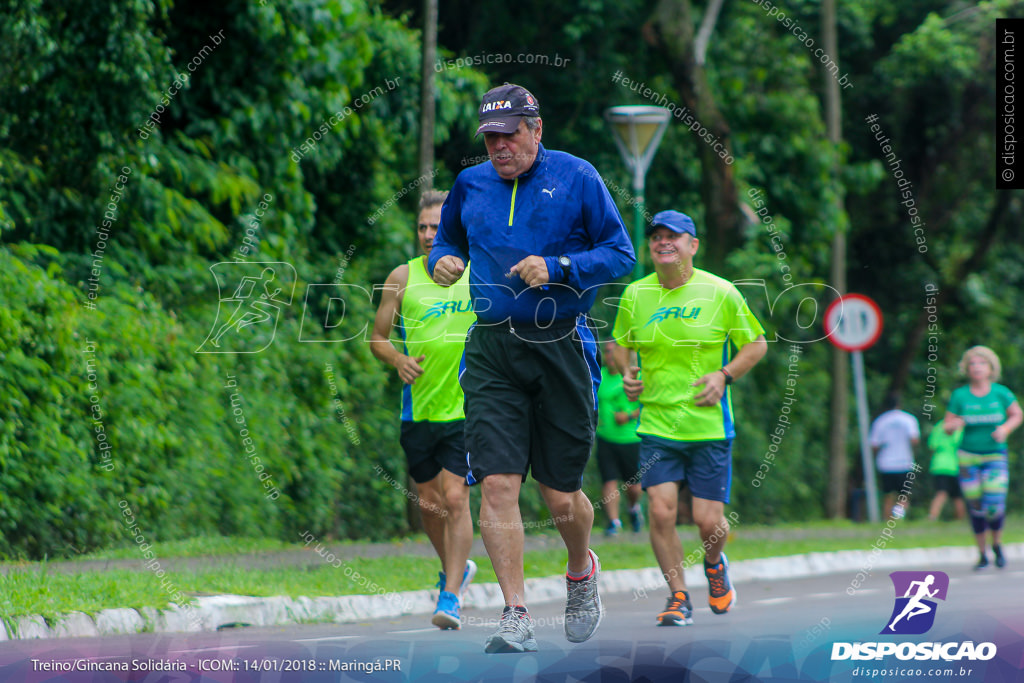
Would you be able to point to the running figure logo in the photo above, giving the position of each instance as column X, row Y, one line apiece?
column 256, row 293
column 914, row 613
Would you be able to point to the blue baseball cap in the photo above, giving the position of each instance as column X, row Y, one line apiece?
column 673, row 220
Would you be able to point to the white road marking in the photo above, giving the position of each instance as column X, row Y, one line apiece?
column 211, row 649
column 319, row 640
column 773, row 601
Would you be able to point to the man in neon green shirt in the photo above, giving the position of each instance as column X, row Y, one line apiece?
column 684, row 322
column 431, row 322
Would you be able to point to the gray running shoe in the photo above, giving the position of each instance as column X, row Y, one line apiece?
column 583, row 609
column 514, row 634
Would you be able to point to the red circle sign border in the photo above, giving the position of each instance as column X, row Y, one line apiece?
column 865, row 344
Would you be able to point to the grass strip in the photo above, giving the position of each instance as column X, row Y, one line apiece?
column 36, row 590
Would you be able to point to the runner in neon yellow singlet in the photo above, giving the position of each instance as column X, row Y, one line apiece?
column 433, row 325
column 431, row 322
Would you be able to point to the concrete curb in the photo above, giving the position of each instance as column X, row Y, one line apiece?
column 219, row 611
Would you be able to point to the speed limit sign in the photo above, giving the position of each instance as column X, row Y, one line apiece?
column 853, row 322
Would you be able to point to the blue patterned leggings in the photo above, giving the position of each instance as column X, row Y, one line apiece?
column 984, row 480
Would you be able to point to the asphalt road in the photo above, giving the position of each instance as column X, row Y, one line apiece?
column 779, row 631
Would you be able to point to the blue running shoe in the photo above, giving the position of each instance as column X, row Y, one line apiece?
column 446, row 616
column 467, row 575
column 636, row 518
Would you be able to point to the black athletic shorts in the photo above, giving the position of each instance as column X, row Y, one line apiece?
column 531, row 401
column 893, row 482
column 430, row 446
column 618, row 461
column 950, row 483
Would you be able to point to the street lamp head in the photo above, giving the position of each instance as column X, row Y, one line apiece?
column 638, row 130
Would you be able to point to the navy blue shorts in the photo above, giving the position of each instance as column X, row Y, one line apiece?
column 705, row 465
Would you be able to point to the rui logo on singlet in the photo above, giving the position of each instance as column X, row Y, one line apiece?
column 447, row 308
column 914, row 613
column 666, row 312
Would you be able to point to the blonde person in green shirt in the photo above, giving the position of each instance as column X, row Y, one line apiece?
column 987, row 412
column 684, row 323
column 618, row 446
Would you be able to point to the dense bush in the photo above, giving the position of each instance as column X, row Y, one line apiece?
column 112, row 404
column 86, row 98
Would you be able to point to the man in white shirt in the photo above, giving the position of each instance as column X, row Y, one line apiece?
column 893, row 436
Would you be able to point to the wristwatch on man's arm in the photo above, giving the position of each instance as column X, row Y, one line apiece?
column 566, row 264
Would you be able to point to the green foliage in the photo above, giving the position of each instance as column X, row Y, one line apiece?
column 188, row 196
column 141, row 143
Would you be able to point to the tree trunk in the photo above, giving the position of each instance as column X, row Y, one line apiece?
column 671, row 32
column 838, row 466
column 429, row 56
column 426, row 165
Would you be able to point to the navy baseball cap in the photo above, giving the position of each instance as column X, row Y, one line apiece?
column 501, row 108
column 673, row 220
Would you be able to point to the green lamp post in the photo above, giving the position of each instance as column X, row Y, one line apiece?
column 637, row 131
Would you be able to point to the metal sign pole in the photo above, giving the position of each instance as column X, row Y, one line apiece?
column 868, row 462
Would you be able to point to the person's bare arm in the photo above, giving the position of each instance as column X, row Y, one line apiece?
column 952, row 422
column 625, row 362
column 387, row 312
column 1014, row 417
column 714, row 382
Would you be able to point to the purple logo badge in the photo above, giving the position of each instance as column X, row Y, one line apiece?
column 914, row 611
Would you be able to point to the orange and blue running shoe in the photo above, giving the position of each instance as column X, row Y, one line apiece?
column 721, row 594
column 678, row 610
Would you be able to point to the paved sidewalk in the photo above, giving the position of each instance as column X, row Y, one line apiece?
column 212, row 613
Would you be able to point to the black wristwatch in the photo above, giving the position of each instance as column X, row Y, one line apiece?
column 728, row 377
column 566, row 263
